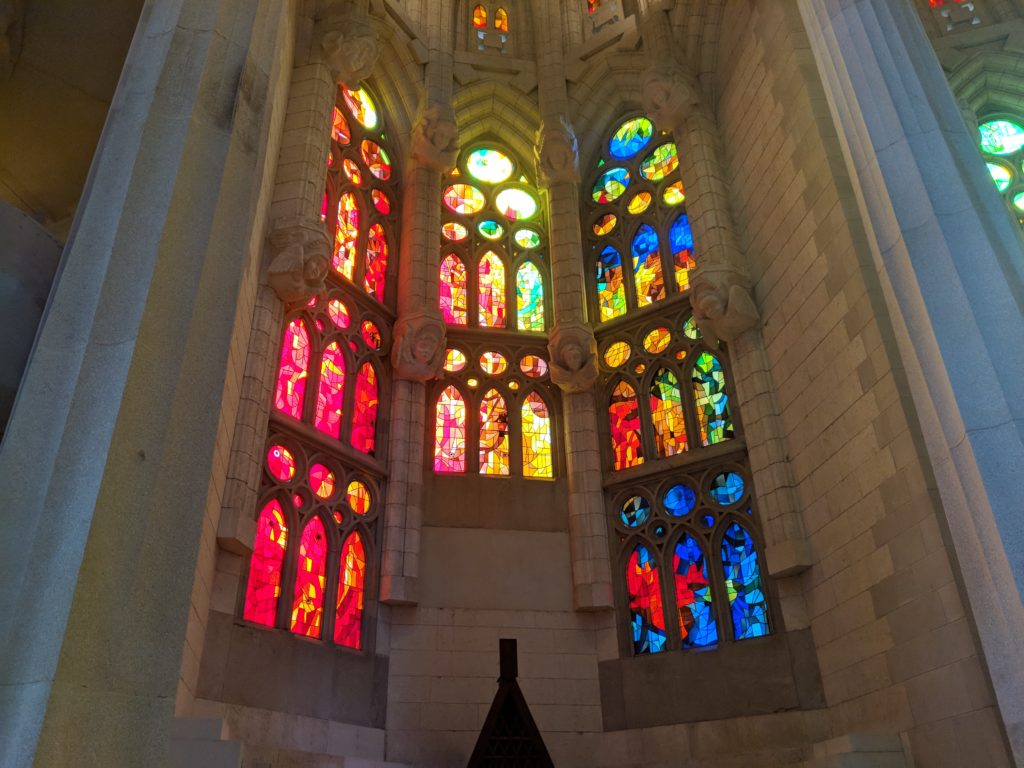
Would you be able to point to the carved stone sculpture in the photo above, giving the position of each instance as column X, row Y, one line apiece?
column 573, row 352
column 418, row 350
column 350, row 45
column 300, row 260
column 669, row 95
column 558, row 152
column 435, row 137
column 722, row 304
column 12, row 16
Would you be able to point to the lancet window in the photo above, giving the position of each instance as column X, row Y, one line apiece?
column 322, row 471
column 490, row 27
column 1002, row 143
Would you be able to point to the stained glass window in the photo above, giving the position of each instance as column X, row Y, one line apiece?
column 491, row 291
column 293, row 370
column 610, row 288
column 266, row 565
column 364, row 421
column 450, row 432
column 624, row 415
column 713, row 412
column 697, row 625
column 310, row 580
column 646, row 608
column 348, row 622
column 480, row 17
column 454, row 293
column 647, row 266
column 529, row 297
column 501, row 20
column 1002, row 142
column 667, row 413
column 538, row 460
column 747, row 602
column 331, row 393
column 494, row 459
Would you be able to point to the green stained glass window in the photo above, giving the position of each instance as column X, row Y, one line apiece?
column 660, row 163
column 489, row 165
column 632, row 136
column 1001, row 137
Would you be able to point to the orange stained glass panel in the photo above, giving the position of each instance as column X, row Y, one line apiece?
column 347, row 235
column 624, row 416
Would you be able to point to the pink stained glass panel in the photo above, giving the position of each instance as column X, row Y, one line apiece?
column 310, row 580
column 330, row 394
column 364, row 413
column 624, row 416
column 454, row 292
column 491, row 294
column 376, row 261
column 281, row 463
column 268, row 550
column 348, row 622
column 293, row 370
column 347, row 235
column 450, row 432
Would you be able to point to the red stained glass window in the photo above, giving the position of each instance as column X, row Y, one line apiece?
column 624, row 415
column 347, row 235
column 265, row 565
column 450, row 431
column 330, row 396
column 364, row 415
column 646, row 609
column 293, row 370
column 281, row 463
column 340, row 132
column 348, row 622
column 376, row 261
column 310, row 580
column 453, row 290
column 480, row 17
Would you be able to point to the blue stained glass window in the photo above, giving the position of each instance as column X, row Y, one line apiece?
column 632, row 136
column 697, row 624
column 647, row 266
column 610, row 289
column 610, row 185
column 747, row 602
column 681, row 235
column 680, row 500
column 646, row 609
column 727, row 488
column 635, row 511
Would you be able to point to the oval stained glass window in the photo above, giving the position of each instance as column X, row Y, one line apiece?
column 454, row 360
column 371, row 334
column 690, row 329
column 454, row 231
column 527, row 238
column 338, row 313
column 322, row 481
column 490, row 229
column 516, row 204
column 641, row 202
column 361, row 106
column 660, row 163
column 673, row 194
column 489, row 165
column 727, row 488
column 281, row 463
column 610, row 185
column 1000, row 176
column 376, row 159
column 464, row 198
column 679, row 500
column 632, row 136
column 657, row 341
column 1001, row 137
column 340, row 132
column 617, row 354
column 358, row 497
column 605, row 224
column 533, row 366
column 635, row 511
column 493, row 363
column 352, row 171
column 381, row 202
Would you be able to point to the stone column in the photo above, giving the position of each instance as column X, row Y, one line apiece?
column 952, row 270
column 720, row 291
column 572, row 347
column 106, row 468
column 418, row 352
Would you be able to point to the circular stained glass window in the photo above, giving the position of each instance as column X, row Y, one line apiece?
column 1000, row 175
column 376, row 159
column 1018, row 201
column 489, row 165
column 641, row 202
column 358, row 496
column 636, row 511
column 338, row 313
column 617, row 354
column 361, row 106
column 322, row 481
column 533, row 366
column 371, row 334
column 527, row 238
column 657, row 341
column 454, row 360
column 605, row 224
column 281, row 463
column 727, row 488
column 464, row 198
column 632, row 136
column 660, row 163
column 673, row 194
column 381, row 202
column 690, row 329
column 610, row 185
column 516, row 204
column 680, row 500
column 493, row 363
column 490, row 229
column 1001, row 137
column 454, row 231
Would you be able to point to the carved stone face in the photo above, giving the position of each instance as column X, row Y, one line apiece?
column 423, row 348
column 315, row 269
column 573, row 356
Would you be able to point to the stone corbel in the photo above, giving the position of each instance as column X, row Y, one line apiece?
column 573, row 352
column 669, row 95
column 722, row 305
column 435, row 137
column 557, row 153
column 300, row 258
column 419, row 347
column 12, row 22
column 348, row 41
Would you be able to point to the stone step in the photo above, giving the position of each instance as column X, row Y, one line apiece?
column 203, row 743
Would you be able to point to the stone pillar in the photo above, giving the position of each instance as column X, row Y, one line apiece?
column 720, row 291
column 572, row 347
column 952, row 270
column 105, row 471
column 418, row 351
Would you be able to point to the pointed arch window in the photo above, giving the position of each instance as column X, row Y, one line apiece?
column 538, row 460
column 310, row 580
column 501, row 20
column 267, row 565
column 348, row 622
column 747, row 602
column 646, row 609
column 450, row 431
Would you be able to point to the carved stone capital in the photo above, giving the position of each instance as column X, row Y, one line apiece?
column 722, row 304
column 669, row 94
column 573, row 352
column 348, row 42
column 557, row 151
column 300, row 257
column 435, row 137
column 12, row 19
column 417, row 353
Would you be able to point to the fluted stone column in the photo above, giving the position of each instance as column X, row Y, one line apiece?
column 107, row 464
column 419, row 348
column 952, row 270
column 558, row 167
column 721, row 294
